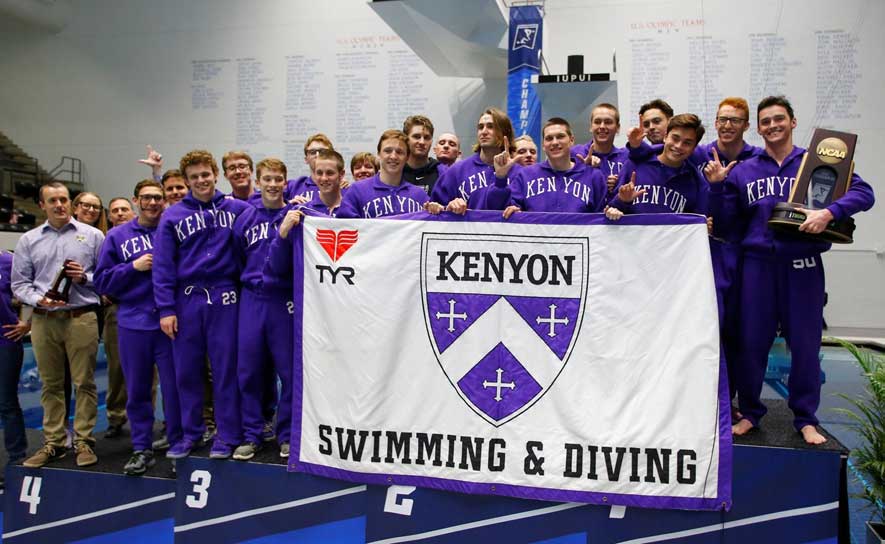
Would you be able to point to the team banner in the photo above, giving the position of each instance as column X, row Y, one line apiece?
column 552, row 356
column 523, row 62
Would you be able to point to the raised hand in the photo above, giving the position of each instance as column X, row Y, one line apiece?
column 154, row 159
column 714, row 171
column 503, row 162
column 628, row 192
column 590, row 159
column 635, row 136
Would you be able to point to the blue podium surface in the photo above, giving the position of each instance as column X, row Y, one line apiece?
column 784, row 491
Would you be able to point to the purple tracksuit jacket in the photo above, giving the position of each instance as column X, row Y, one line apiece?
column 265, row 327
column 141, row 342
column 668, row 190
column 372, row 198
column 782, row 280
column 612, row 162
column 540, row 188
column 472, row 180
column 196, row 276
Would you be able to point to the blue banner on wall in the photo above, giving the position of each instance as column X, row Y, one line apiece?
column 524, row 61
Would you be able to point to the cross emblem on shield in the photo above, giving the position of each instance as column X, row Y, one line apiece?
column 503, row 315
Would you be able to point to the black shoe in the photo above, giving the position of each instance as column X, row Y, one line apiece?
column 139, row 463
column 114, row 431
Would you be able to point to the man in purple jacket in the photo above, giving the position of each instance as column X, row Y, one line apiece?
column 666, row 183
column 195, row 289
column 783, row 276
column 265, row 314
column 386, row 193
column 466, row 183
column 559, row 184
column 605, row 123
column 124, row 272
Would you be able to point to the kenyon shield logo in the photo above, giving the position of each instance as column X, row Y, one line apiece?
column 502, row 314
column 336, row 243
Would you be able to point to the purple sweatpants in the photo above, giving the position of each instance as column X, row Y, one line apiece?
column 139, row 351
column 790, row 292
column 265, row 344
column 727, row 275
column 207, row 325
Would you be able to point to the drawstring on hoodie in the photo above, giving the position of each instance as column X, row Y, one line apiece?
column 189, row 289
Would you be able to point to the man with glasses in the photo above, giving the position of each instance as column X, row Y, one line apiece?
column 124, row 272
column 237, row 166
column 782, row 278
column 60, row 328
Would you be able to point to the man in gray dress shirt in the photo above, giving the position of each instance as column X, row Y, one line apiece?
column 61, row 328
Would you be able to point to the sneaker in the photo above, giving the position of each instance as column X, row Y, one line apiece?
column 246, row 451
column 220, row 450
column 180, row 450
column 161, row 443
column 114, row 431
column 44, row 455
column 139, row 463
column 85, row 455
column 267, row 433
column 284, row 450
column 208, row 434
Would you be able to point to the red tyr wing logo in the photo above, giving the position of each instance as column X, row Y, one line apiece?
column 336, row 243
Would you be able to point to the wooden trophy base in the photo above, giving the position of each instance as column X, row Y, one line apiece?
column 787, row 218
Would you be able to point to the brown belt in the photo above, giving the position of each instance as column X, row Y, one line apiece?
column 65, row 314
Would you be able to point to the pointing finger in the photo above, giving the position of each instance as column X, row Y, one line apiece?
column 716, row 155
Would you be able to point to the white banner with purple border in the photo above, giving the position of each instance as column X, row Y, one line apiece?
column 557, row 357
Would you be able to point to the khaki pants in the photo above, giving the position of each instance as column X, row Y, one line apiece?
column 52, row 339
column 116, row 395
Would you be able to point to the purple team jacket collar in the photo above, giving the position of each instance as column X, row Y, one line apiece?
column 379, row 185
column 797, row 151
column 681, row 169
column 579, row 167
column 133, row 223
column 192, row 202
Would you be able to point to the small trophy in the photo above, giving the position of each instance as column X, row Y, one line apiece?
column 824, row 176
column 61, row 287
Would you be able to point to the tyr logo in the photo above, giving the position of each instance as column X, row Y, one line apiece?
column 336, row 245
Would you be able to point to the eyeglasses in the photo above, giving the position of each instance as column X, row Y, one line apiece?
column 312, row 152
column 235, row 167
column 733, row 120
column 93, row 207
column 151, row 198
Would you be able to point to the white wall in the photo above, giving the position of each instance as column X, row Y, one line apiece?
column 121, row 74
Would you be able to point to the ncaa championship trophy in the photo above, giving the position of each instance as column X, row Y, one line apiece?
column 823, row 177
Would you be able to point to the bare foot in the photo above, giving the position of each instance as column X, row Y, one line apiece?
column 811, row 436
column 736, row 415
column 741, row 427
